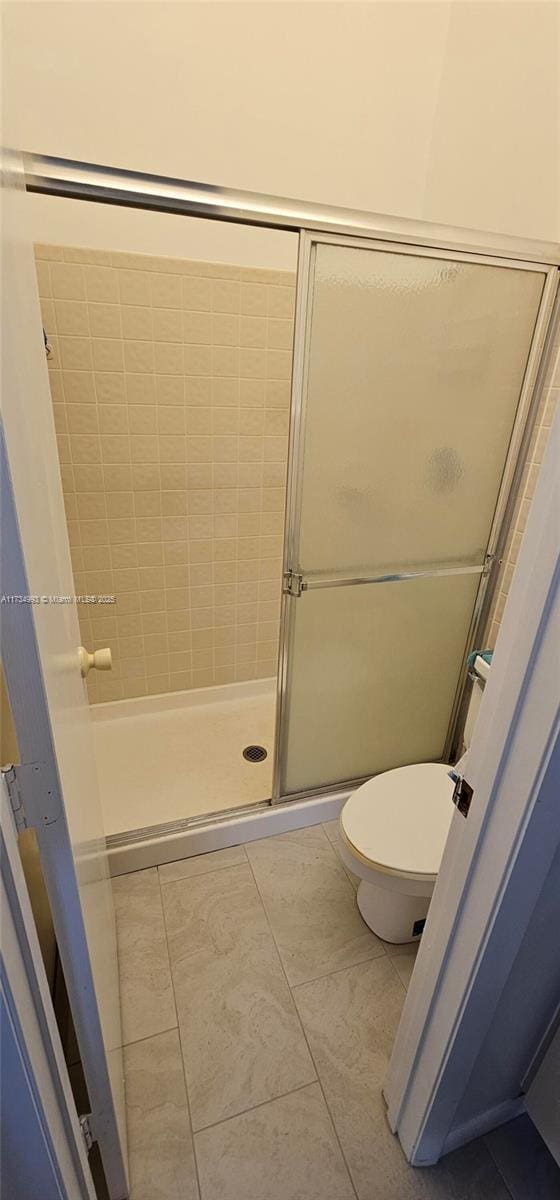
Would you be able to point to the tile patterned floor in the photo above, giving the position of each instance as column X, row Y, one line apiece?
column 259, row 1013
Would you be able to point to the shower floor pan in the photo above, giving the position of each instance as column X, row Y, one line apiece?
column 166, row 758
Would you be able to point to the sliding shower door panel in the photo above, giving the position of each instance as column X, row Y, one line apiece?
column 374, row 673
column 407, row 388
column 414, row 374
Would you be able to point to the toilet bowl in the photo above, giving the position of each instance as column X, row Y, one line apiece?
column 393, row 831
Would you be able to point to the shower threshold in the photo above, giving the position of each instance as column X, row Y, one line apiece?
column 188, row 824
column 191, row 837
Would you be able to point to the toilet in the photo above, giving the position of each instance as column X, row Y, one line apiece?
column 393, row 831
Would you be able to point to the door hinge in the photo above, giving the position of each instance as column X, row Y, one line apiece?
column 294, row 584
column 12, row 779
column 31, row 792
column 462, row 793
column 87, row 1132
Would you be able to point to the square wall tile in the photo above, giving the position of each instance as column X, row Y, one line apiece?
column 170, row 383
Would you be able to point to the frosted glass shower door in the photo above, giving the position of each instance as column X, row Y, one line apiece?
column 411, row 374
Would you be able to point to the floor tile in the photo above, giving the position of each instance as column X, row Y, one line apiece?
column 201, row 864
column 241, row 1037
column 147, row 1004
column 161, row 1156
column 350, row 1019
column 524, row 1160
column 393, row 948
column 284, row 1150
column 331, row 829
column 310, row 904
column 403, row 961
column 333, row 833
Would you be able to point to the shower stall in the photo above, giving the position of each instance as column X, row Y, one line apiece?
column 416, row 370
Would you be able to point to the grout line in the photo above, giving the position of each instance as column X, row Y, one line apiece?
column 338, row 971
column 312, row 1056
column 334, row 844
column 399, row 948
column 401, row 981
column 199, row 874
column 334, row 847
column 148, row 1036
column 244, row 1112
column 183, row 1064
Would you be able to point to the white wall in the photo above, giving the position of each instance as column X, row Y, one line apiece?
column 442, row 110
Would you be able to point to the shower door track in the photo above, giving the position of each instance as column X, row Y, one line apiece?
column 74, row 180
column 48, row 175
column 131, row 837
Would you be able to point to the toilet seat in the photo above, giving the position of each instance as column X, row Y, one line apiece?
column 398, row 821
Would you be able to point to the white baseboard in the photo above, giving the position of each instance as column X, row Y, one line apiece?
column 483, row 1123
column 247, row 827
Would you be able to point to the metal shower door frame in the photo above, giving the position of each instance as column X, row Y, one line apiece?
column 510, row 484
column 93, row 182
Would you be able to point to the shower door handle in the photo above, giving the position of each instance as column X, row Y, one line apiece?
column 295, row 583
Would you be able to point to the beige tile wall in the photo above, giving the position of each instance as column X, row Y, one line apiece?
column 170, row 383
column 549, row 401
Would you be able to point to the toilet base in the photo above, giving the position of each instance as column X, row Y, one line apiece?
column 390, row 914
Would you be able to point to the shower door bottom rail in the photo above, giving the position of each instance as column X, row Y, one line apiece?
column 295, row 583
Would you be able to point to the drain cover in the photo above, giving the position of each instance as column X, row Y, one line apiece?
column 254, row 753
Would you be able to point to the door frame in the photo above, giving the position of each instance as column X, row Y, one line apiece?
column 30, row 1026
column 495, row 863
column 509, row 488
column 45, row 813
column 37, row 683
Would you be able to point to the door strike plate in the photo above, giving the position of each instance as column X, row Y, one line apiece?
column 462, row 795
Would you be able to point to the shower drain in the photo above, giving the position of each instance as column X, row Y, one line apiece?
column 254, row 753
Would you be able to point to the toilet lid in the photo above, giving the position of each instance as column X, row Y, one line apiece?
column 399, row 820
